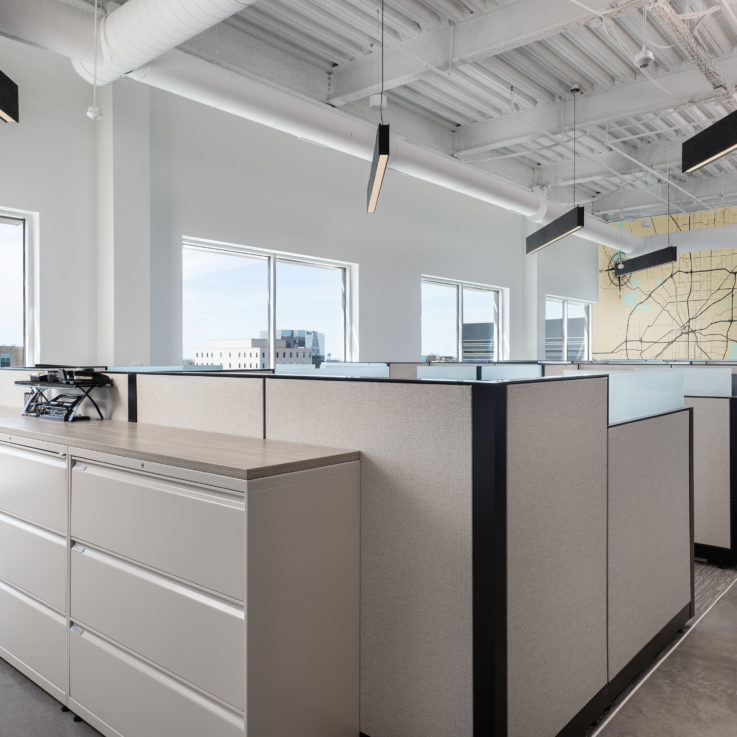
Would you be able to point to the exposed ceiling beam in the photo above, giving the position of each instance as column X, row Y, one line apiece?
column 720, row 192
column 624, row 101
column 596, row 167
column 478, row 37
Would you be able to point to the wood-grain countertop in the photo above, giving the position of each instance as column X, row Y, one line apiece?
column 209, row 452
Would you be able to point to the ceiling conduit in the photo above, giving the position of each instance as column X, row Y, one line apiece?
column 138, row 42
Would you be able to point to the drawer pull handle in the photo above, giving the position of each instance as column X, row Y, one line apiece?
column 77, row 629
column 77, row 548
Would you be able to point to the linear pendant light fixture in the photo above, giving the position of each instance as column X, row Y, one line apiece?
column 8, row 99
column 381, row 147
column 566, row 224
column 655, row 258
column 710, row 144
column 570, row 221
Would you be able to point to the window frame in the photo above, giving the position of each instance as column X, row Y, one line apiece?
column 349, row 279
column 500, row 324
column 31, row 332
column 565, row 301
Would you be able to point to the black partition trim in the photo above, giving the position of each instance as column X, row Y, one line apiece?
column 489, row 545
column 132, row 398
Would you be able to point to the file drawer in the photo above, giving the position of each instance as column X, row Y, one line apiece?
column 34, row 634
column 194, row 535
column 33, row 487
column 34, row 560
column 186, row 632
column 137, row 700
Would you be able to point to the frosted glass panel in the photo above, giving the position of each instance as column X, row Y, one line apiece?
column 512, row 371
column 636, row 394
column 453, row 371
column 706, row 382
column 365, row 370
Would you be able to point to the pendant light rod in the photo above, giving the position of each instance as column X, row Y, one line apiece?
column 93, row 111
column 380, row 158
column 381, row 100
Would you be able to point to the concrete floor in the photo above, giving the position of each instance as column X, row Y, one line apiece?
column 28, row 711
column 692, row 694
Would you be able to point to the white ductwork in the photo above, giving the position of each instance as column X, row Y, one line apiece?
column 69, row 31
column 142, row 30
column 190, row 77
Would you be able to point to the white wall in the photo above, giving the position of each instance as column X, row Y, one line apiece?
column 220, row 177
column 48, row 167
column 568, row 268
column 116, row 197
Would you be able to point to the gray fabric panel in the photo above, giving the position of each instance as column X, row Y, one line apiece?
column 416, row 577
column 649, row 535
column 711, row 470
column 556, row 547
column 209, row 403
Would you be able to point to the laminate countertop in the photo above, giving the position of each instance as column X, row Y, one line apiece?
column 235, row 456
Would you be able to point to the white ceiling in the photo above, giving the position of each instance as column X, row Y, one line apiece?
column 489, row 82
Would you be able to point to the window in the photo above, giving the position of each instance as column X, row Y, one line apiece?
column 460, row 319
column 567, row 330
column 264, row 298
column 12, row 292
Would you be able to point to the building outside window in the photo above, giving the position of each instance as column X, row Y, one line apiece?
column 460, row 321
column 263, row 303
column 12, row 291
column 567, row 330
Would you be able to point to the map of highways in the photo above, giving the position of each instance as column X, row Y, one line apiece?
column 682, row 311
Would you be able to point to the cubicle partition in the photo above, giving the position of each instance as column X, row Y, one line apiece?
column 650, row 538
column 715, row 477
column 708, row 389
column 336, row 368
column 484, row 574
column 521, row 559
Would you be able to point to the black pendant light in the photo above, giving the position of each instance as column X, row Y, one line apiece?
column 381, row 147
column 655, row 258
column 8, row 99
column 666, row 255
column 710, row 144
column 570, row 221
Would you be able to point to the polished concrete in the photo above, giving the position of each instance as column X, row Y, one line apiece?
column 692, row 694
column 27, row 711
column 694, row 691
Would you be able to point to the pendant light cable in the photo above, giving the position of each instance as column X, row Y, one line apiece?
column 94, row 73
column 574, row 146
column 93, row 111
column 381, row 105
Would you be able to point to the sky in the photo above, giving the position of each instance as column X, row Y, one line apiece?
column 226, row 296
column 11, row 284
column 440, row 315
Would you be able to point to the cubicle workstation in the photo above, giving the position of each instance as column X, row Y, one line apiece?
column 499, row 522
column 708, row 389
column 448, row 623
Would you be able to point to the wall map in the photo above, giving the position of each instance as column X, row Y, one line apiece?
column 680, row 311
